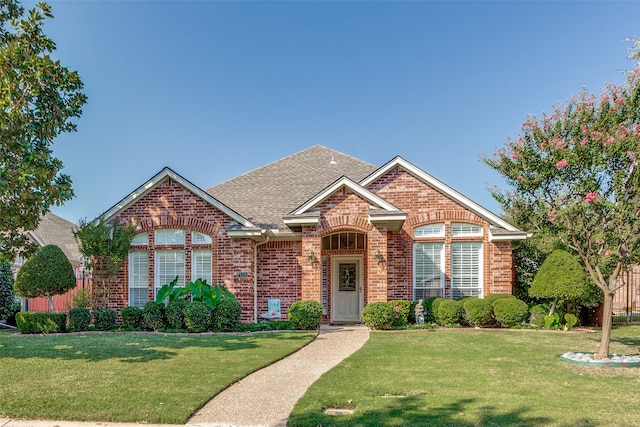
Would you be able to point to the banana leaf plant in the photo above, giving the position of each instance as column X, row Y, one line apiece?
column 199, row 290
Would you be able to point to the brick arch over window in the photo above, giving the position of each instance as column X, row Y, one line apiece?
column 442, row 217
column 344, row 223
column 326, row 229
column 187, row 223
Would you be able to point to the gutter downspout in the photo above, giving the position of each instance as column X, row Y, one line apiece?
column 255, row 279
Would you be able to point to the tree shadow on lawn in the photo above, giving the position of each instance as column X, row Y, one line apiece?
column 410, row 411
column 128, row 348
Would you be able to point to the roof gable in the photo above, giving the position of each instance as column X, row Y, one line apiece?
column 464, row 201
column 159, row 178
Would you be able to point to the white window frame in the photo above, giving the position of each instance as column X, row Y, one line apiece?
column 464, row 282
column 169, row 236
column 162, row 277
column 429, row 230
column 138, row 277
column 198, row 238
column 428, row 291
column 198, row 269
column 459, row 229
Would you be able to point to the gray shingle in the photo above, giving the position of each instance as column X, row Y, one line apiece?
column 268, row 193
column 54, row 230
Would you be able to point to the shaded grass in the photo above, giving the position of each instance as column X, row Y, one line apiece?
column 476, row 378
column 144, row 378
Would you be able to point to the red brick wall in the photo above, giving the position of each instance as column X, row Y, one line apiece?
column 279, row 274
column 170, row 205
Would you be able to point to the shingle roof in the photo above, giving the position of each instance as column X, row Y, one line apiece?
column 54, row 230
column 267, row 194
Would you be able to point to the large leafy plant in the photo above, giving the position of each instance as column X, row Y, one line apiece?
column 199, row 290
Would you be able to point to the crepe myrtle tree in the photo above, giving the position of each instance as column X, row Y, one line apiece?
column 575, row 172
column 39, row 99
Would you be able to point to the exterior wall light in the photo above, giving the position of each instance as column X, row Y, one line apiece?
column 378, row 255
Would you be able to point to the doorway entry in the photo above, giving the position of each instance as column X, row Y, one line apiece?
column 347, row 288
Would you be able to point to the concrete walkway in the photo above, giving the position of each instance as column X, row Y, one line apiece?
column 264, row 398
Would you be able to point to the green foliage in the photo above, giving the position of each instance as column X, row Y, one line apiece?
column 570, row 320
column 306, row 314
column 197, row 316
column 552, row 321
column 492, row 298
column 199, row 290
column 560, row 276
column 80, row 299
column 153, row 315
column 131, row 317
column 378, row 315
column 47, row 273
column 401, row 311
column 477, row 312
column 6, row 290
column 79, row 319
column 226, row 316
column 39, row 99
column 528, row 256
column 32, row 322
column 449, row 312
column 272, row 325
column 510, row 312
column 104, row 319
column 537, row 313
column 429, row 308
column 174, row 313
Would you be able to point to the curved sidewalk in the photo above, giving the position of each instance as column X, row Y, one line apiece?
column 266, row 397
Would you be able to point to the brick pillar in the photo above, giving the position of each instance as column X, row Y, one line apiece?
column 377, row 265
column 310, row 261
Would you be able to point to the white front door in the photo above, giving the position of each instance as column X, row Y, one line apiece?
column 346, row 286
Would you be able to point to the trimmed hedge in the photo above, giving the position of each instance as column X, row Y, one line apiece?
column 378, row 315
column 401, row 309
column 197, row 317
column 306, row 315
column 477, row 312
column 510, row 312
column 31, row 322
column 104, row 319
column 131, row 317
column 226, row 316
column 174, row 313
column 449, row 312
column 492, row 298
column 153, row 315
column 79, row 319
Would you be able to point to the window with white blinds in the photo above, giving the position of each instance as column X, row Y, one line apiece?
column 168, row 265
column 464, row 229
column 201, row 264
column 466, row 269
column 138, row 278
column 430, row 230
column 200, row 239
column 428, row 270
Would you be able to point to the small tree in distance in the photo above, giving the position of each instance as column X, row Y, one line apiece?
column 560, row 277
column 47, row 273
column 576, row 172
column 6, row 289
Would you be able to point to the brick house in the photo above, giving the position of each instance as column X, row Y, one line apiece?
column 318, row 225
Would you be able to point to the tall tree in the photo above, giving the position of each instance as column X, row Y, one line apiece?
column 7, row 297
column 47, row 273
column 104, row 246
column 39, row 98
column 577, row 170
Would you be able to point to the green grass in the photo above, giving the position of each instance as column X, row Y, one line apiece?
column 476, row 378
column 143, row 378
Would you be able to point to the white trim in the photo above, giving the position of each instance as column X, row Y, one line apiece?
column 353, row 186
column 442, row 187
column 160, row 177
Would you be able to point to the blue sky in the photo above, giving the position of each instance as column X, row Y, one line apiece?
column 214, row 89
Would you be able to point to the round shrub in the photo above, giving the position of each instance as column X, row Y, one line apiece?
column 174, row 313
column 153, row 315
column 449, row 312
column 226, row 316
column 104, row 319
column 378, row 315
column 492, row 298
column 510, row 312
column 401, row 310
column 79, row 319
column 477, row 312
column 429, row 309
column 131, row 317
column 536, row 320
column 33, row 322
column 197, row 317
column 306, row 315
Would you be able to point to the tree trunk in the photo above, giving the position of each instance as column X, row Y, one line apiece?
column 52, row 307
column 553, row 307
column 607, row 322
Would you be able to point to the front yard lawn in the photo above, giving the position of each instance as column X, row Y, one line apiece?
column 476, row 378
column 145, row 378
